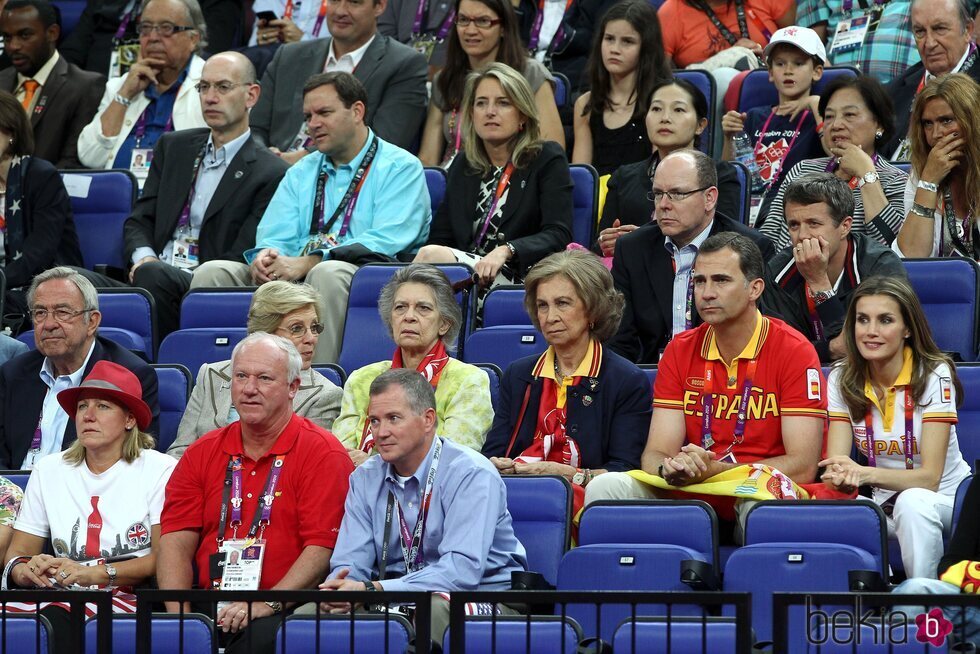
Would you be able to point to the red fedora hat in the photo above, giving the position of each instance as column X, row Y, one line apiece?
column 113, row 382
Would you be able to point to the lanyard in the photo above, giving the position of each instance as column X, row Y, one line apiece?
column 419, row 22
column 960, row 232
column 36, row 440
column 759, row 148
column 689, row 303
column 123, row 24
column 318, row 24
column 140, row 129
column 411, row 543
column 847, row 5
column 501, row 187
column 907, row 438
column 185, row 213
column 708, row 403
column 811, row 307
column 456, row 129
column 725, row 32
column 287, row 13
column 346, row 206
column 536, row 27
column 232, row 496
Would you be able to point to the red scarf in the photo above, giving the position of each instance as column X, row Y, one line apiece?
column 430, row 367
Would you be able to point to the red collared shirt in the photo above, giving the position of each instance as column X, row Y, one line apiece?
column 309, row 502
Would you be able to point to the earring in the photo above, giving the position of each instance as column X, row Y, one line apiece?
column 879, row 134
column 591, row 326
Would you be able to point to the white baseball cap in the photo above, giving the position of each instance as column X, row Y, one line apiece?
column 803, row 38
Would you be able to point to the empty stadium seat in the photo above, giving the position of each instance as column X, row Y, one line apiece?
column 493, row 372
column 541, row 508
column 101, row 201
column 712, row 635
column 948, row 291
column 563, row 89
column 758, row 91
column 175, row 382
column 968, row 413
column 215, row 307
column 25, row 634
column 503, row 345
column 435, row 180
column 194, row 347
column 706, row 84
column 166, row 632
column 378, row 634
column 504, row 305
column 366, row 339
column 541, row 634
column 585, row 203
column 333, row 372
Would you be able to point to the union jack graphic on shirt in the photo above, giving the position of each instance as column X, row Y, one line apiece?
column 138, row 535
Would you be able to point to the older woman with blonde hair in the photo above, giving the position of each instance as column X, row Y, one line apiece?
column 293, row 311
column 96, row 506
column 422, row 315
column 942, row 196
column 509, row 197
column 578, row 410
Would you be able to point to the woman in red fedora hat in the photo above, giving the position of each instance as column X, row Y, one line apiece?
column 98, row 504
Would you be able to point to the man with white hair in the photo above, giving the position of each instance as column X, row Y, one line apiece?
column 269, row 455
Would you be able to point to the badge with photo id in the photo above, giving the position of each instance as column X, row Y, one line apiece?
column 122, row 57
column 425, row 44
column 319, row 242
column 185, row 253
column 139, row 163
column 242, row 567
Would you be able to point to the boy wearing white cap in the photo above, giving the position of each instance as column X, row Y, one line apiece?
column 787, row 133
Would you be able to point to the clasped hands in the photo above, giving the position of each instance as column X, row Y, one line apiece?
column 689, row 466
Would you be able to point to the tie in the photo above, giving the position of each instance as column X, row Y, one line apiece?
column 30, row 88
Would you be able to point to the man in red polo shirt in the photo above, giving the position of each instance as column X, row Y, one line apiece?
column 759, row 379
column 258, row 503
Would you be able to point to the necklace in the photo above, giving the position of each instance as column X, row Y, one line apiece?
column 558, row 374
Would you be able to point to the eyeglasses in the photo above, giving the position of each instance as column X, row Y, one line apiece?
column 482, row 22
column 674, row 196
column 163, row 29
column 298, row 330
column 223, row 88
column 60, row 315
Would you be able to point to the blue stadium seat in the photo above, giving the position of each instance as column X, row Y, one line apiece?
column 960, row 497
column 541, row 508
column 503, row 345
column 493, row 372
column 510, row 634
column 372, row 633
column 333, row 372
column 563, row 89
column 435, row 180
column 19, row 477
column 685, row 635
column 948, row 290
column 129, row 340
column 706, row 84
column 193, row 348
column 686, row 523
column 968, row 413
column 745, row 195
column 166, row 631
column 25, row 634
column 585, row 203
column 793, row 546
column 71, row 13
column 175, row 382
column 215, row 307
column 101, row 201
column 504, row 305
column 758, row 91
column 366, row 340
column 651, row 372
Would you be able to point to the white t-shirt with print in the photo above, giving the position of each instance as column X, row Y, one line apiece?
column 938, row 403
column 59, row 500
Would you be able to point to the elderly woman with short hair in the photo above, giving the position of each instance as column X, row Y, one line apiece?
column 293, row 311
column 579, row 409
column 423, row 318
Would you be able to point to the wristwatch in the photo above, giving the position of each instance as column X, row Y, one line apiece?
column 869, row 178
column 275, row 606
column 819, row 297
column 111, row 571
column 579, row 477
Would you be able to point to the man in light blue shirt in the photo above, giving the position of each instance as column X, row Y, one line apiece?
column 464, row 541
column 359, row 200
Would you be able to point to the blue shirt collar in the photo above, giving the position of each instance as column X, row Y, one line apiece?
column 230, row 149
column 354, row 163
column 151, row 90
column 420, row 474
column 696, row 242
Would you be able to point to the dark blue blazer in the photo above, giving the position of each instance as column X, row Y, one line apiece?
column 22, row 395
column 610, row 427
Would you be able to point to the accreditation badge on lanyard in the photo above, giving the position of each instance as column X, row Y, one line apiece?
column 124, row 54
column 852, row 32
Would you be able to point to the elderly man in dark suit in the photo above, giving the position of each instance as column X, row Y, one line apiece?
column 652, row 265
column 65, row 309
column 205, row 193
column 59, row 97
column 392, row 73
column 943, row 33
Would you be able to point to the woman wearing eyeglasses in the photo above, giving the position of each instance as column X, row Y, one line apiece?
column 486, row 31
column 286, row 309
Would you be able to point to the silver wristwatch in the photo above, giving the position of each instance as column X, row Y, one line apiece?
column 111, row 571
column 869, row 178
column 275, row 606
